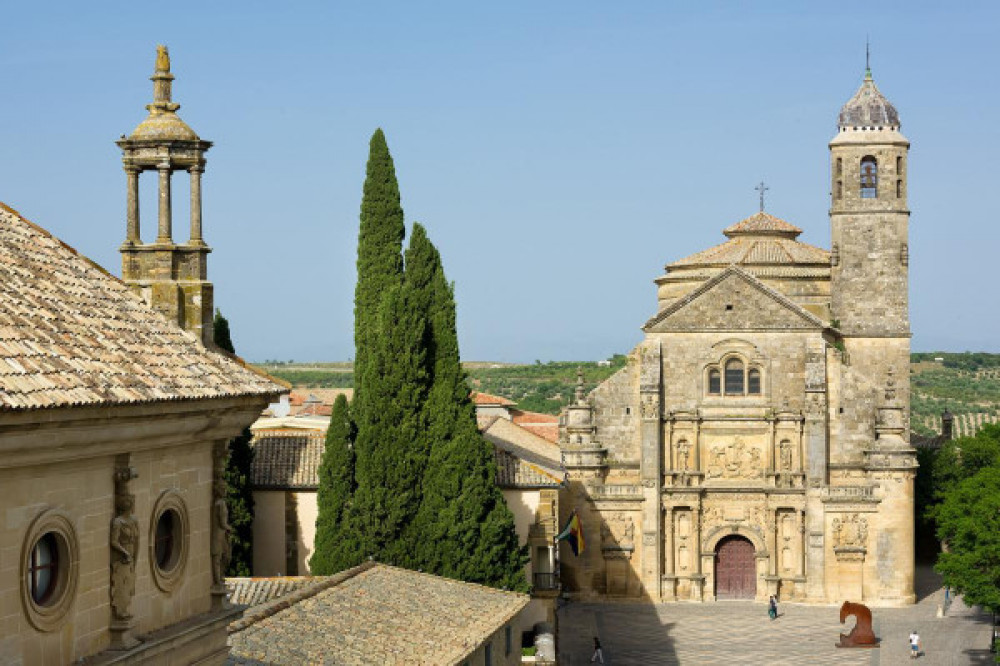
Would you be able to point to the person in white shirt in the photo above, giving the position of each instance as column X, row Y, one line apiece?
column 914, row 644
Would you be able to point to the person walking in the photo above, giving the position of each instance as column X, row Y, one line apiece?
column 598, row 654
column 772, row 608
column 914, row 644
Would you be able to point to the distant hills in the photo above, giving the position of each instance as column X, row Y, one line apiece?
column 967, row 384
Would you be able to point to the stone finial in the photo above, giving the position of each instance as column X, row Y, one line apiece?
column 162, row 80
column 579, row 385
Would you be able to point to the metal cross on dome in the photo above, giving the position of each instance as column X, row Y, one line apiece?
column 762, row 188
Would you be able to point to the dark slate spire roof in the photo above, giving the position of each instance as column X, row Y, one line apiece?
column 868, row 108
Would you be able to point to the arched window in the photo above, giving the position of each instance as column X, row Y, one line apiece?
column 714, row 382
column 753, row 382
column 869, row 177
column 734, row 377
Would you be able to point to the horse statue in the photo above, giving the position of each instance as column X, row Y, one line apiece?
column 861, row 635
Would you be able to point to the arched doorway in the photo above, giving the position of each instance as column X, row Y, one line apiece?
column 735, row 569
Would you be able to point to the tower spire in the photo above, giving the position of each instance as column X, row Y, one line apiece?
column 868, row 58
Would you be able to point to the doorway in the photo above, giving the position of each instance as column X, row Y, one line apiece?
column 735, row 569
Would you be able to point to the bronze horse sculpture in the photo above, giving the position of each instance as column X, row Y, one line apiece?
column 861, row 635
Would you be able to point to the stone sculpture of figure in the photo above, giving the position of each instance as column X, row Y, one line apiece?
column 786, row 456
column 124, row 548
column 836, row 532
column 162, row 58
column 629, row 531
column 221, row 529
column 682, row 455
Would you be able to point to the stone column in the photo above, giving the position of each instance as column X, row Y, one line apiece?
column 669, row 587
column 196, row 172
column 651, row 469
column 164, row 235
column 132, row 212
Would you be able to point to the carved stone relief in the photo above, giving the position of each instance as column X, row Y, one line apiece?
column 618, row 530
column 124, row 545
column 649, row 408
column 221, row 550
column 850, row 531
column 735, row 460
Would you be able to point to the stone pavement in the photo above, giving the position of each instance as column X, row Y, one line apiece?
column 739, row 632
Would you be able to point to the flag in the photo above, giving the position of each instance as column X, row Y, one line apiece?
column 573, row 532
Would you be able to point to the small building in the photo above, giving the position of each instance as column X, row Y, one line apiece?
column 377, row 614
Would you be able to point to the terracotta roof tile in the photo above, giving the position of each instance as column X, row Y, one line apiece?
column 379, row 615
column 286, row 459
column 488, row 399
column 72, row 334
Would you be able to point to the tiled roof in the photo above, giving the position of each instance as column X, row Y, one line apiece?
column 379, row 615
column 868, row 108
column 543, row 425
column 72, row 334
column 287, row 459
column 763, row 224
column 524, row 458
column 488, row 399
column 256, row 591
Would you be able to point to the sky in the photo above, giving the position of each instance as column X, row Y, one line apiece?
column 558, row 153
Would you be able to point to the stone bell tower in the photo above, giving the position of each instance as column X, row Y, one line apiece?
column 172, row 277
column 869, row 218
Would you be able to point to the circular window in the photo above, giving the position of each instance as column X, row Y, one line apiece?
column 168, row 540
column 49, row 564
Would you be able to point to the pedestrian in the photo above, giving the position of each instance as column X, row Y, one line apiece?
column 772, row 608
column 914, row 644
column 598, row 655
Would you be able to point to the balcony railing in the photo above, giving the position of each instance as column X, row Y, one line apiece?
column 546, row 581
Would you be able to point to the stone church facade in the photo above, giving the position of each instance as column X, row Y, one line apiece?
column 756, row 442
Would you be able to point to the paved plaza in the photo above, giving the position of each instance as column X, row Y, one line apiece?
column 739, row 632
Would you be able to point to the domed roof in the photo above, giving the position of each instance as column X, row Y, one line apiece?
column 759, row 240
column 868, row 108
column 164, row 126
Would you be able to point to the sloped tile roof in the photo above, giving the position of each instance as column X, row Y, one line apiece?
column 286, row 460
column 257, row 591
column 763, row 224
column 379, row 615
column 524, row 458
column 72, row 334
column 489, row 399
column 543, row 425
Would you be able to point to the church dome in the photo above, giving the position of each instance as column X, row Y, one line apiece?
column 869, row 108
column 164, row 127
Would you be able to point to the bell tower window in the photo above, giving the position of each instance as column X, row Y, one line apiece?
column 753, row 382
column 714, row 382
column 869, row 177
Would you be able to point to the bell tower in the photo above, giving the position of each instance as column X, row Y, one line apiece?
column 869, row 218
column 172, row 277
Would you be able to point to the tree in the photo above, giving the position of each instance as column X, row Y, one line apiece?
column 390, row 423
column 962, row 458
column 380, row 249
column 969, row 522
column 464, row 528
column 336, row 488
column 239, row 495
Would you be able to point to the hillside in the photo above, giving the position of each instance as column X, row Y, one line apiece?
column 967, row 384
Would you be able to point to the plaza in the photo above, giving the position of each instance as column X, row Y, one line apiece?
column 739, row 632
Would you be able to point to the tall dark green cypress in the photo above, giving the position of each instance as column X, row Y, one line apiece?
column 336, row 488
column 380, row 250
column 463, row 528
column 389, row 462
column 239, row 495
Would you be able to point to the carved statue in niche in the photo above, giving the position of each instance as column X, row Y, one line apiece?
column 683, row 449
column 850, row 532
column 124, row 546
column 785, row 455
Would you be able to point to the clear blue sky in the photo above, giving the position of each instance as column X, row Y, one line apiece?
column 559, row 153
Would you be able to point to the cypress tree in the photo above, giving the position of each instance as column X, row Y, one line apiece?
column 388, row 463
column 239, row 495
column 336, row 487
column 380, row 250
column 464, row 528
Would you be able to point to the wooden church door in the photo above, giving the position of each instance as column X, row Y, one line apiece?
column 735, row 569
